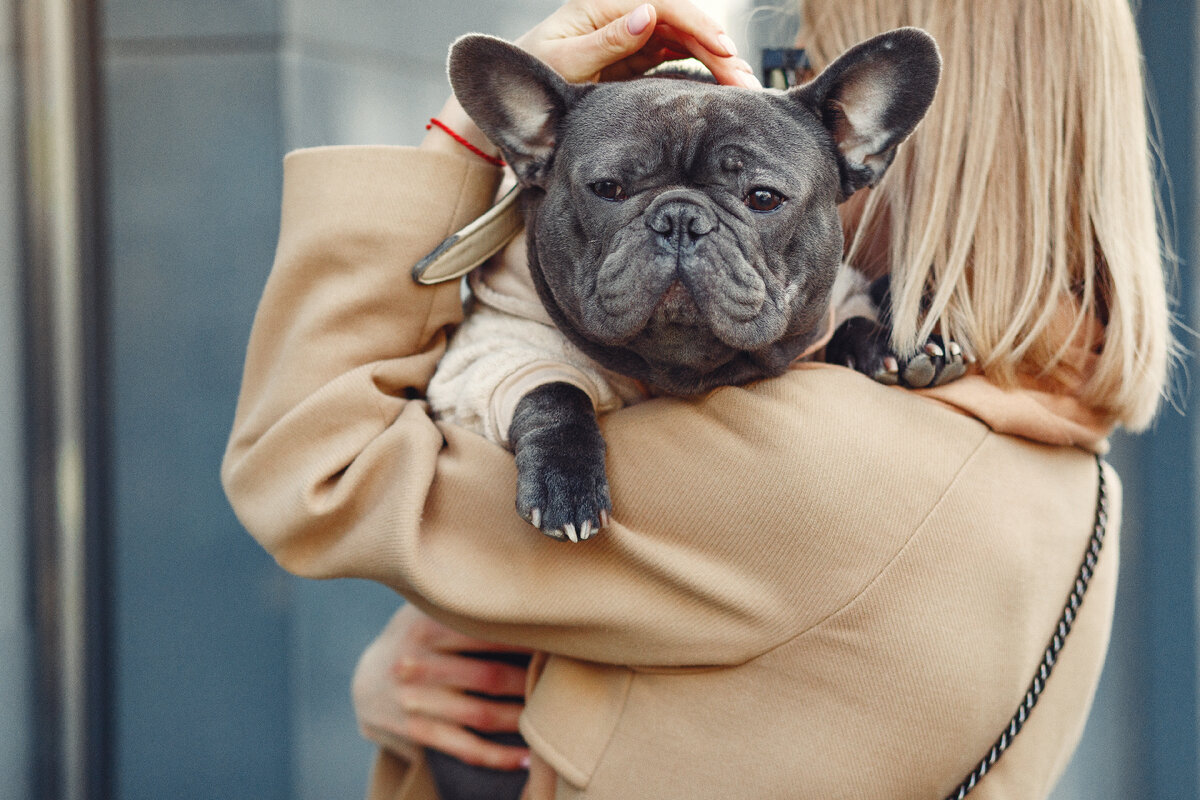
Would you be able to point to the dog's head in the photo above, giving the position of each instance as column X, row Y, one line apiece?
column 685, row 233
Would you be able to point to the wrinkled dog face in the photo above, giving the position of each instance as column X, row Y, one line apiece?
column 684, row 233
column 675, row 238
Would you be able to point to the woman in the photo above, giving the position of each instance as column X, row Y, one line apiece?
column 789, row 602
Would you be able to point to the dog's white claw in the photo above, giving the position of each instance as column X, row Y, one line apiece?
column 932, row 349
column 954, row 349
column 604, row 519
column 585, row 530
column 569, row 528
column 535, row 518
column 890, row 364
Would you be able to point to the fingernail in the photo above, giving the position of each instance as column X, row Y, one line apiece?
column 727, row 43
column 743, row 65
column 638, row 20
column 525, row 762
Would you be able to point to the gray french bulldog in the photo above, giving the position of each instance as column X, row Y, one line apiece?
column 686, row 235
column 683, row 233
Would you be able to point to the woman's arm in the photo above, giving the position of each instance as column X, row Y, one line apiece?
column 723, row 507
column 336, row 467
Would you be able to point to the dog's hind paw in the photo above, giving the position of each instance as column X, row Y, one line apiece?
column 864, row 345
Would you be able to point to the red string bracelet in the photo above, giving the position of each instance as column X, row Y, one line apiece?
column 499, row 162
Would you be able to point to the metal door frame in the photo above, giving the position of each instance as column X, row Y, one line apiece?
column 58, row 70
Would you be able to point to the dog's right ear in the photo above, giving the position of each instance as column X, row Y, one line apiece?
column 514, row 98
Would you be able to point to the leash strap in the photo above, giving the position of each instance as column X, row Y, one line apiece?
column 1086, row 570
column 465, row 250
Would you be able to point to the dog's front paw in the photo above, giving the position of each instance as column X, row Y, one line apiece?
column 864, row 345
column 562, row 489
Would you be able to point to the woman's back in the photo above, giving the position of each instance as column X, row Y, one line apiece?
column 888, row 632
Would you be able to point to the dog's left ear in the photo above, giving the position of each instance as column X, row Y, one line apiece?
column 871, row 98
column 514, row 98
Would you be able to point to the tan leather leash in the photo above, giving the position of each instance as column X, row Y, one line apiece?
column 465, row 250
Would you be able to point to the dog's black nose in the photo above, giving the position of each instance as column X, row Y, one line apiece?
column 680, row 220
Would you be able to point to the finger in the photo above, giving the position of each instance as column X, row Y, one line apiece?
column 464, row 745
column 657, row 50
column 634, row 67
column 584, row 57
column 489, row 716
column 669, row 53
column 640, row 63
column 734, row 72
column 731, row 71
column 435, row 636
column 661, row 45
column 685, row 16
column 461, row 672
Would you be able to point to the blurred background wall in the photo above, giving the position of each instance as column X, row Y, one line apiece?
column 229, row 679
column 203, row 626
column 232, row 678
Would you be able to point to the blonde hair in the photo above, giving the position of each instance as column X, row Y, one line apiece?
column 1022, row 211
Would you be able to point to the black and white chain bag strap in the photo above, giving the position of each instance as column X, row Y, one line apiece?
column 1086, row 570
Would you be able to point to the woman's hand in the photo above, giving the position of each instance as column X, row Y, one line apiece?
column 592, row 40
column 411, row 685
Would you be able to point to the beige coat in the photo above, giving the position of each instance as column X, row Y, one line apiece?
column 814, row 586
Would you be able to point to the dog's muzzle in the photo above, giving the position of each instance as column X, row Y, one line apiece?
column 680, row 220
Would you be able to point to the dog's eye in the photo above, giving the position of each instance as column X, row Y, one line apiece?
column 609, row 190
column 763, row 200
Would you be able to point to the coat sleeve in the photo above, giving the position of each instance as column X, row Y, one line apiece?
column 732, row 533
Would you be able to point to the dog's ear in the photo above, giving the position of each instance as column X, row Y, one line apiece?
column 871, row 98
column 514, row 98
